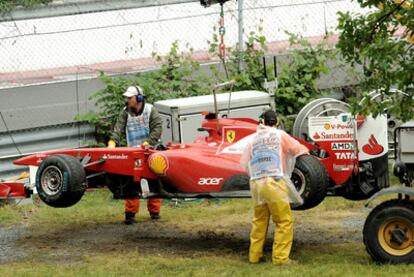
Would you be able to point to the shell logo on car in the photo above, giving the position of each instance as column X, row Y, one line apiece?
column 158, row 164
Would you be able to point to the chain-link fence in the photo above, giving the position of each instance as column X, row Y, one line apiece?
column 56, row 48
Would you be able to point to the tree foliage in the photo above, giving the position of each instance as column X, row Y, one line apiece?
column 381, row 42
column 299, row 74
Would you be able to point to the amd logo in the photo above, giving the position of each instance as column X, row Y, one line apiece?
column 209, row 181
column 342, row 146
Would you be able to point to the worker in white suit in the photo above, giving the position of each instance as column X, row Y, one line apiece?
column 269, row 158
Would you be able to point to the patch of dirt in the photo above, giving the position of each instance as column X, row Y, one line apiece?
column 68, row 244
column 8, row 251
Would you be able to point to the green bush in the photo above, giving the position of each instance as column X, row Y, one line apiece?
column 297, row 78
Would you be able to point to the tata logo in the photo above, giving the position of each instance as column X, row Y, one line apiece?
column 345, row 155
column 209, row 181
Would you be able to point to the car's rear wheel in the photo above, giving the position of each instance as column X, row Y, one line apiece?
column 60, row 181
column 310, row 180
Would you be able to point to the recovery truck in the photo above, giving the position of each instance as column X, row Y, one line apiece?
column 389, row 229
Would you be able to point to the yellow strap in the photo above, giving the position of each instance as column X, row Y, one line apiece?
column 23, row 175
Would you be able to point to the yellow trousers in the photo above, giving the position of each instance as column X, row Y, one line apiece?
column 274, row 195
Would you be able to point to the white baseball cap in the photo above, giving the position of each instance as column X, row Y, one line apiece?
column 133, row 90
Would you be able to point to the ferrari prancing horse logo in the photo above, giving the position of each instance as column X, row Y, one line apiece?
column 230, row 135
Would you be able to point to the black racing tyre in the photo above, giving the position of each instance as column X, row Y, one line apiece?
column 311, row 180
column 61, row 181
column 389, row 232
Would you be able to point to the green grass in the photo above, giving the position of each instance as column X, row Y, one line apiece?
column 348, row 258
column 333, row 260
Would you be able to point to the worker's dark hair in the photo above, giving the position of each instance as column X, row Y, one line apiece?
column 268, row 118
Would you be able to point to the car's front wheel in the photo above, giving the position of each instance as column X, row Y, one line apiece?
column 60, row 181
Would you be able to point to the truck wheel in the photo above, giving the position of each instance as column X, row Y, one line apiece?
column 311, row 180
column 389, row 232
column 60, row 181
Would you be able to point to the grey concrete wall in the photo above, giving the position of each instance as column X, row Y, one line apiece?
column 46, row 104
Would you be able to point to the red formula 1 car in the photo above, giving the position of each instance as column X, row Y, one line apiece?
column 208, row 167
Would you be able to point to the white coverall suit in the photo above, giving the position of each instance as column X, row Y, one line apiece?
column 269, row 158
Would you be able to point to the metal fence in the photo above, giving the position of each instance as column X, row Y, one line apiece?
column 56, row 48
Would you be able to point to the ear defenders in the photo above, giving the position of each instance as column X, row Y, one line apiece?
column 261, row 120
column 269, row 118
column 140, row 96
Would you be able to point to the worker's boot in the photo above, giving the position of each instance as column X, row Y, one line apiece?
column 129, row 218
column 155, row 216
